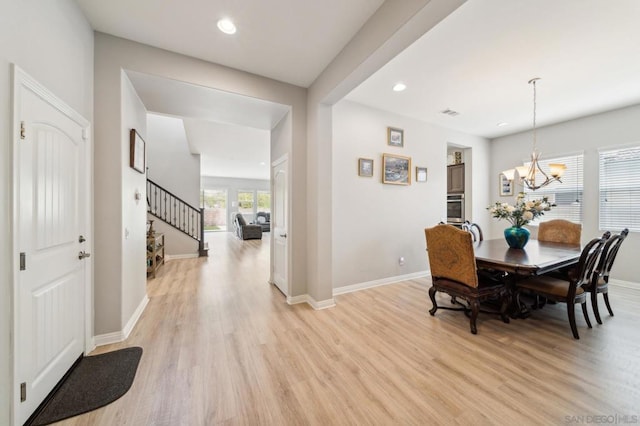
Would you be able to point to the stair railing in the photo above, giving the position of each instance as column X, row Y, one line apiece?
column 176, row 212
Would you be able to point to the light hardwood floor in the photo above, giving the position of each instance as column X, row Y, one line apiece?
column 221, row 346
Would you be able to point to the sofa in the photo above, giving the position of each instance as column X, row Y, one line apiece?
column 246, row 231
column 264, row 220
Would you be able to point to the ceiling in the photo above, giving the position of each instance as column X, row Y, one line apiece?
column 477, row 61
column 286, row 40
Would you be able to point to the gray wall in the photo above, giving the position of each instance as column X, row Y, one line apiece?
column 53, row 43
column 586, row 134
column 374, row 224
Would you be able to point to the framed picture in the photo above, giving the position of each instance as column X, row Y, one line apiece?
column 365, row 167
column 137, row 151
column 396, row 169
column 505, row 185
column 395, row 137
column 421, row 174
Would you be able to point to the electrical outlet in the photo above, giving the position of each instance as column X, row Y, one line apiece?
column 401, row 261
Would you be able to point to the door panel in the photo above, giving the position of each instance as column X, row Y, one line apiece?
column 279, row 226
column 50, row 314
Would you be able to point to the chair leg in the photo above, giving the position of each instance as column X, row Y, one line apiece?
column 475, row 307
column 606, row 302
column 586, row 315
column 571, row 312
column 432, row 296
column 594, row 306
column 506, row 302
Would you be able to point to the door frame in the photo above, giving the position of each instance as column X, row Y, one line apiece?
column 277, row 162
column 22, row 80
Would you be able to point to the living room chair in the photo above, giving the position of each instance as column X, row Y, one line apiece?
column 454, row 272
column 264, row 220
column 246, row 231
column 600, row 282
column 570, row 291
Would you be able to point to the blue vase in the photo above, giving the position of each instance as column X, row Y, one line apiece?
column 516, row 237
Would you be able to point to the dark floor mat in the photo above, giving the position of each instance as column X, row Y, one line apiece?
column 96, row 381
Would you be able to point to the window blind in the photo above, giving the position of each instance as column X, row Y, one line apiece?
column 620, row 189
column 566, row 195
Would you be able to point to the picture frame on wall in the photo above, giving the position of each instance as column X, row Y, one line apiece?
column 365, row 167
column 396, row 169
column 421, row 174
column 137, row 154
column 505, row 185
column 395, row 137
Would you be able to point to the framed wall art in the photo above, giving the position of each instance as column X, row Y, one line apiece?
column 421, row 174
column 395, row 137
column 137, row 151
column 505, row 185
column 396, row 169
column 365, row 167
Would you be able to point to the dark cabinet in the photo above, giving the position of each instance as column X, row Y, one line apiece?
column 455, row 179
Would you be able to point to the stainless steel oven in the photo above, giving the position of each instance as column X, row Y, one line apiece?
column 455, row 208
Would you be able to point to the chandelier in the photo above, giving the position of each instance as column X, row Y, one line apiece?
column 528, row 173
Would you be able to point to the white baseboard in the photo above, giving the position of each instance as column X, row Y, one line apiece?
column 119, row 336
column 376, row 283
column 305, row 298
column 180, row 256
column 627, row 284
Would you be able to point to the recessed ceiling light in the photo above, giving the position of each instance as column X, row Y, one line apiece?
column 262, row 163
column 502, row 124
column 399, row 87
column 226, row 26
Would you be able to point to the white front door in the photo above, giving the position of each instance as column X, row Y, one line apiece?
column 279, row 225
column 50, row 215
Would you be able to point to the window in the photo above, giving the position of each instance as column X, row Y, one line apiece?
column 214, row 202
column 567, row 196
column 620, row 189
column 264, row 201
column 245, row 202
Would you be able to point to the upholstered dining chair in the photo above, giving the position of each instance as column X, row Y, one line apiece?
column 474, row 229
column 570, row 291
column 600, row 281
column 453, row 271
column 560, row 231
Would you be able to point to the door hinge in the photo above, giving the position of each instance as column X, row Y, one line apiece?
column 23, row 131
column 23, row 261
column 23, row 392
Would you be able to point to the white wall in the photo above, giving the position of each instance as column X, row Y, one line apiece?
column 374, row 224
column 393, row 27
column 134, row 212
column 585, row 134
column 171, row 164
column 53, row 43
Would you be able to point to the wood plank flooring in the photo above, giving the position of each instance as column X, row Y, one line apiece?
column 221, row 346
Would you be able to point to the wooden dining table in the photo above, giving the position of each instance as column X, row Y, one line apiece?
column 536, row 258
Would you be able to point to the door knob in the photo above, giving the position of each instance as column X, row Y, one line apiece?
column 83, row 254
column 283, row 235
column 81, row 239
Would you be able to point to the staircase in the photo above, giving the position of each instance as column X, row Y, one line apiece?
column 174, row 211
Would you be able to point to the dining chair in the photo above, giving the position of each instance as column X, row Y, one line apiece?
column 600, row 280
column 453, row 271
column 560, row 231
column 474, row 229
column 570, row 291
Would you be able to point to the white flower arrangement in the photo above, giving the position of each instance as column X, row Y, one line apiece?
column 522, row 212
